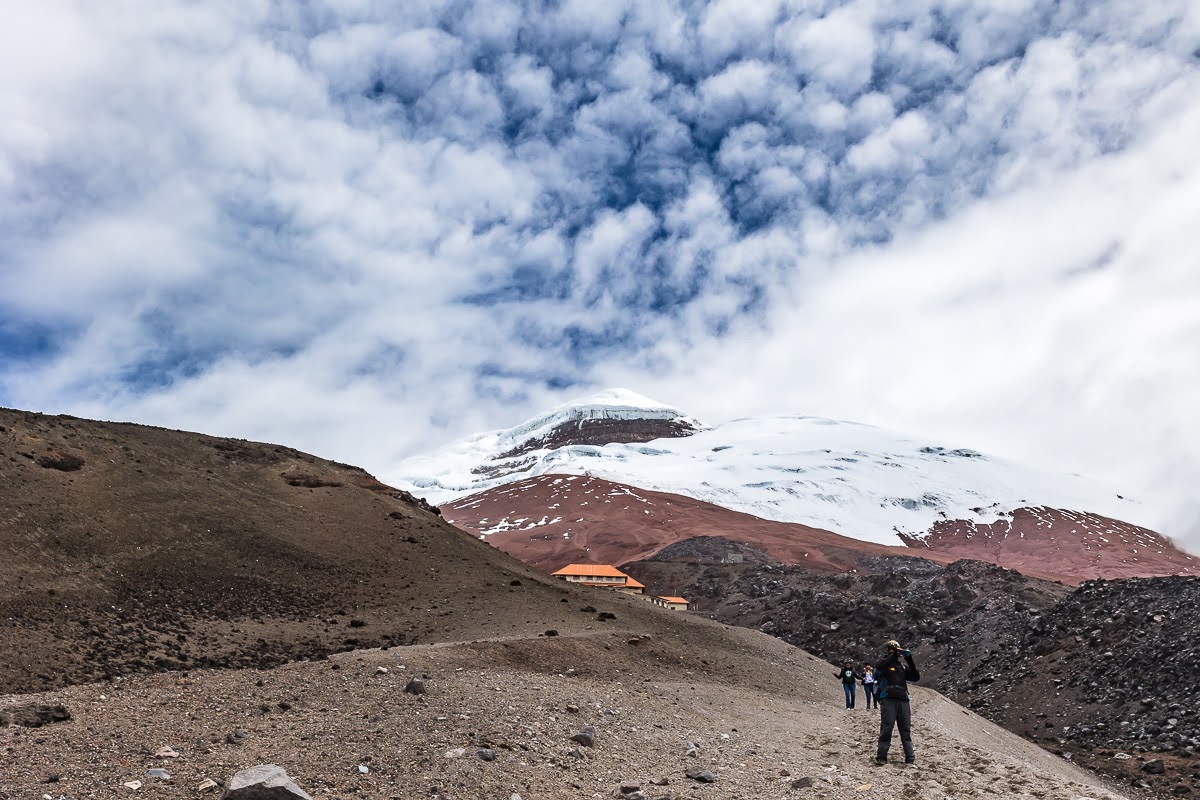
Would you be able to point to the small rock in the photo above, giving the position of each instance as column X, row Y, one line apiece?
column 628, row 789
column 605, row 615
column 514, row 796
column 363, row 769
column 263, row 782
column 165, row 752
column 235, row 737
column 585, row 737
column 701, row 775
column 206, row 785
column 802, row 783
column 692, row 750
column 135, row 785
column 158, row 772
column 660, row 781
column 381, row 670
column 487, row 754
column 572, row 708
column 551, row 632
column 415, row 686
column 1154, row 767
column 457, row 752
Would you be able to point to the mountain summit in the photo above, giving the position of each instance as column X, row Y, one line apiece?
column 614, row 416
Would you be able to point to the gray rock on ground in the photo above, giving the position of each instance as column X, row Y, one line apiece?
column 263, row 782
column 586, row 736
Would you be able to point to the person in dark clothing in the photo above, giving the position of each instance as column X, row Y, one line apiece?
column 892, row 674
column 849, row 680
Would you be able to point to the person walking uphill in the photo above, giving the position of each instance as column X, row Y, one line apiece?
column 892, row 674
column 849, row 679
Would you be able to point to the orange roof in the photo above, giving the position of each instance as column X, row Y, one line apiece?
column 674, row 600
column 592, row 570
column 636, row 584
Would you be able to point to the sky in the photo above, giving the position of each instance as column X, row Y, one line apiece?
column 365, row 229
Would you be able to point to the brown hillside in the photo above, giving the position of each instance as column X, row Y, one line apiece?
column 551, row 520
column 131, row 548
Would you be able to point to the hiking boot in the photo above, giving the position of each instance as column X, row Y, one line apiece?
column 880, row 762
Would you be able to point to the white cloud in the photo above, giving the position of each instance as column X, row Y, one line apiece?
column 969, row 219
column 837, row 49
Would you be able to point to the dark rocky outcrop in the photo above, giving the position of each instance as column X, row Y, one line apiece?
column 33, row 715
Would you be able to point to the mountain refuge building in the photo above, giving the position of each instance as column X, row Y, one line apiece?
column 606, row 576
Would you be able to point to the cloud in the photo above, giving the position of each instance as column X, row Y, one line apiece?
column 365, row 230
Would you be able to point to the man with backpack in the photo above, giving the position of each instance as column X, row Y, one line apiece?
column 892, row 674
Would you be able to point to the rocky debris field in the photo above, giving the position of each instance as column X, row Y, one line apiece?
column 608, row 713
column 956, row 618
column 1109, row 673
column 1101, row 674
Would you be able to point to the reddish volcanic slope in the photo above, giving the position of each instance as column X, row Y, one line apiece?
column 1040, row 541
column 551, row 520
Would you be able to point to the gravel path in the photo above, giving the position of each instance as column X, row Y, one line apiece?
column 762, row 715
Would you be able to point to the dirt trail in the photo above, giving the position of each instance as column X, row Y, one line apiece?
column 761, row 713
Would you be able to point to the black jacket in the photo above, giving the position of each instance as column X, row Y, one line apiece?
column 848, row 676
column 893, row 675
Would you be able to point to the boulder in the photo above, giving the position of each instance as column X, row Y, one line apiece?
column 263, row 782
column 34, row 715
column 585, row 737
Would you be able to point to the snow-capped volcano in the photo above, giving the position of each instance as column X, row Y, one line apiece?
column 856, row 480
column 614, row 416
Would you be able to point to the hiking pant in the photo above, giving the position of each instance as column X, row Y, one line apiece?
column 894, row 713
column 849, row 687
column 869, row 691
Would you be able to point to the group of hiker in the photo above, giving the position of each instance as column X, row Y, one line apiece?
column 885, row 685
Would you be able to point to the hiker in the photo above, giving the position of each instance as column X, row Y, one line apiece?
column 868, row 682
column 892, row 674
column 849, row 680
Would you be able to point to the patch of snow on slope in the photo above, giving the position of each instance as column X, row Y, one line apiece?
column 857, row 480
